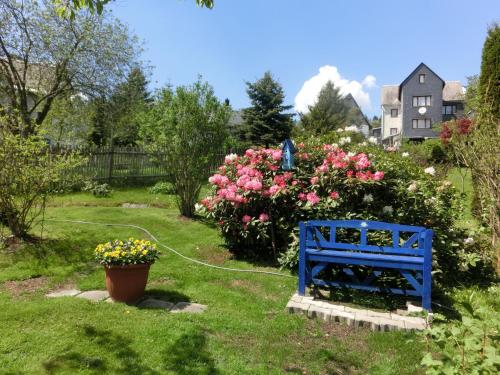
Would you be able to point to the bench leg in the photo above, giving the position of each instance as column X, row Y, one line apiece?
column 302, row 259
column 427, row 272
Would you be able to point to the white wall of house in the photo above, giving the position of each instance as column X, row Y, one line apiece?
column 389, row 122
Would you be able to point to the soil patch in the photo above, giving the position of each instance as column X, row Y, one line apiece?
column 213, row 254
column 23, row 287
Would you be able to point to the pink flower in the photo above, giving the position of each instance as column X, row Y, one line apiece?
column 242, row 180
column 312, row 198
column 302, row 197
column 253, row 185
column 334, row 195
column 218, row 180
column 273, row 190
column 314, row 180
column 349, row 173
column 276, row 155
column 249, row 152
column 301, row 145
column 263, row 217
column 322, row 168
column 246, row 219
column 379, row 175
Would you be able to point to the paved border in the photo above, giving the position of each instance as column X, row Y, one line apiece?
column 375, row 320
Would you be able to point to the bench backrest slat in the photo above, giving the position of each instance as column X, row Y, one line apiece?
column 315, row 238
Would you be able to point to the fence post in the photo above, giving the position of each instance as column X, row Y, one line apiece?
column 110, row 162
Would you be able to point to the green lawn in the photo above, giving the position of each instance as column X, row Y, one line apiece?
column 245, row 330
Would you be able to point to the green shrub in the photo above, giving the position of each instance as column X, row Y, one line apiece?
column 469, row 345
column 29, row 174
column 162, row 188
column 97, row 189
column 258, row 206
column 430, row 151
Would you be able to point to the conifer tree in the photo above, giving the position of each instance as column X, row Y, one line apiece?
column 330, row 111
column 266, row 121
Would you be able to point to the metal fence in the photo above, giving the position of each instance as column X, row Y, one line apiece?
column 110, row 164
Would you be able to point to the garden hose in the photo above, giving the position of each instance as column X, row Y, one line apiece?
column 171, row 249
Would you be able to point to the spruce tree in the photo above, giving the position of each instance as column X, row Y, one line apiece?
column 330, row 111
column 489, row 80
column 266, row 121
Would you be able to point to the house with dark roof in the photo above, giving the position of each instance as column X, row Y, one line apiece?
column 356, row 117
column 414, row 109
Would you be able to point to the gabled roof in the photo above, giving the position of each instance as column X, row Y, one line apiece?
column 453, row 91
column 389, row 95
column 412, row 74
column 353, row 104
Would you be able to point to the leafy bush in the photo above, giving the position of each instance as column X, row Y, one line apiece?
column 29, row 174
column 97, row 189
column 190, row 126
column 258, row 206
column 469, row 345
column 162, row 188
column 425, row 153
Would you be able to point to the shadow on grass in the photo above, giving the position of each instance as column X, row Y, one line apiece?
column 166, row 295
column 127, row 359
column 187, row 355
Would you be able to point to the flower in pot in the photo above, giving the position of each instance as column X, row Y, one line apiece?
column 127, row 267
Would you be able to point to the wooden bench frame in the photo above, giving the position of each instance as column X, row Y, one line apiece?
column 413, row 259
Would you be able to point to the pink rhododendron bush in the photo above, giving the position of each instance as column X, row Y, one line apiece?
column 257, row 205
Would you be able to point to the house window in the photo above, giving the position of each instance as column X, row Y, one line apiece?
column 422, row 101
column 394, row 131
column 394, row 113
column 421, row 78
column 421, row 123
column 449, row 109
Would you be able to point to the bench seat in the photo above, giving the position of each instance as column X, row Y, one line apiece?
column 366, row 259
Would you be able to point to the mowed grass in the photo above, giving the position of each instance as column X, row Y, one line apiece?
column 245, row 330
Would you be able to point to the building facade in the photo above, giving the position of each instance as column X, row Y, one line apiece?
column 415, row 108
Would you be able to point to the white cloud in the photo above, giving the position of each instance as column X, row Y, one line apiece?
column 308, row 94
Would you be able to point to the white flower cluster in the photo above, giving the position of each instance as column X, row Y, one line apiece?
column 430, row 170
column 368, row 198
column 344, row 140
column 412, row 187
column 405, row 154
column 373, row 140
column 352, row 128
column 230, row 157
column 388, row 210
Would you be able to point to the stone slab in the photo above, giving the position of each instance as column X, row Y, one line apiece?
column 188, row 307
column 151, row 303
column 63, row 293
column 94, row 295
column 297, row 307
column 319, row 312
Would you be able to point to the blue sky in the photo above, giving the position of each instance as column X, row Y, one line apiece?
column 239, row 40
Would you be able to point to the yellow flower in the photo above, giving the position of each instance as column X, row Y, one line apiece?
column 144, row 252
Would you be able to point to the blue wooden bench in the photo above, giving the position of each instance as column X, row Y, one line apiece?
column 410, row 254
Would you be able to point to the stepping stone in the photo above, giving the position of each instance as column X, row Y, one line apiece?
column 94, row 295
column 63, row 293
column 152, row 303
column 134, row 205
column 194, row 308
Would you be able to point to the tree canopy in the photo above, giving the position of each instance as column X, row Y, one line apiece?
column 44, row 56
column 266, row 121
column 189, row 126
column 69, row 8
column 330, row 111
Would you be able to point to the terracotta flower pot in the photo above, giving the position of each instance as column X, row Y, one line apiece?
column 126, row 283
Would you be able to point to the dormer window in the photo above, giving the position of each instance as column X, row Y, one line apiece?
column 421, row 78
column 394, row 112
